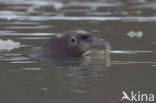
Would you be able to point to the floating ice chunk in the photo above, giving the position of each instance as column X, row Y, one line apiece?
column 133, row 34
column 8, row 45
column 58, row 5
column 32, row 8
column 44, row 89
column 36, row 7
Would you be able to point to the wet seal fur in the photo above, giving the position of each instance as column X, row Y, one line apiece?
column 72, row 43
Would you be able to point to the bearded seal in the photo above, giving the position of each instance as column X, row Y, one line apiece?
column 72, row 43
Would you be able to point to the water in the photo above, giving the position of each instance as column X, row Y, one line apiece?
column 85, row 80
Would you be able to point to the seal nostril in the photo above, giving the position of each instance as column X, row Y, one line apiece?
column 84, row 37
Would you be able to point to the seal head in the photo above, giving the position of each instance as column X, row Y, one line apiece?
column 73, row 43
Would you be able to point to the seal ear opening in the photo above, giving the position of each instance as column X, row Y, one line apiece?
column 73, row 41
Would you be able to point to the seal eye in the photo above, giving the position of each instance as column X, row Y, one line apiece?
column 73, row 41
column 84, row 37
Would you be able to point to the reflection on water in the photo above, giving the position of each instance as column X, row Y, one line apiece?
column 83, row 80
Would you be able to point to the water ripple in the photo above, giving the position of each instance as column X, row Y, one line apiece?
column 129, row 52
column 84, row 18
column 28, row 27
column 27, row 34
column 31, row 69
column 132, row 62
column 94, row 4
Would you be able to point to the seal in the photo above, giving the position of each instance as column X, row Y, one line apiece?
column 72, row 43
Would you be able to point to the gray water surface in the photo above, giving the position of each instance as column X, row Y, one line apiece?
column 85, row 80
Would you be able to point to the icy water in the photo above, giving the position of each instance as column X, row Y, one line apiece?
column 130, row 27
